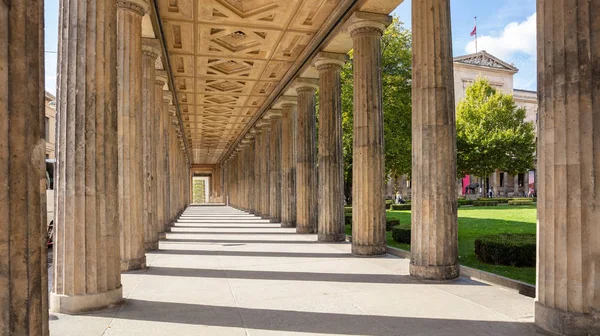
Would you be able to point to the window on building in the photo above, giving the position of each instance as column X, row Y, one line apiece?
column 47, row 129
column 502, row 179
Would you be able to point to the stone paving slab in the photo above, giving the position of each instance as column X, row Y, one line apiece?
column 244, row 278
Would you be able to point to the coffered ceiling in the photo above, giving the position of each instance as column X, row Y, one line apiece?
column 226, row 58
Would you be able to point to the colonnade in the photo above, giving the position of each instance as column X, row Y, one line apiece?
column 95, row 91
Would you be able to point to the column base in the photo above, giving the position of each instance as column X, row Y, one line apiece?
column 265, row 217
column 368, row 250
column 288, row 225
column 275, row 220
column 434, row 272
column 305, row 230
column 133, row 264
column 331, row 237
column 151, row 246
column 75, row 304
column 560, row 322
column 162, row 236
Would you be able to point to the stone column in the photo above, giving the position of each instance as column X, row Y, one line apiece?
column 150, row 104
column 23, row 252
column 306, row 151
column 568, row 272
column 288, row 163
column 265, row 181
column 331, row 160
column 434, row 240
column 368, row 202
column 526, row 183
column 129, row 89
column 505, row 186
column 275, row 166
column 162, row 110
column 257, row 189
column 251, row 176
column 516, row 185
column 86, row 248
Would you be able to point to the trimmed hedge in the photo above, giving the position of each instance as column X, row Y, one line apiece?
column 465, row 202
column 513, row 249
column 485, row 203
column 520, row 202
column 401, row 233
column 397, row 207
column 348, row 210
column 390, row 223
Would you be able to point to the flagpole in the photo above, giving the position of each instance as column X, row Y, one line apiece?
column 476, row 50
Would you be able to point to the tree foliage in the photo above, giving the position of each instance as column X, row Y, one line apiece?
column 491, row 133
column 396, row 66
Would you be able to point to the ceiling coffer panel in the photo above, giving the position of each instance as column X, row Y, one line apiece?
column 227, row 56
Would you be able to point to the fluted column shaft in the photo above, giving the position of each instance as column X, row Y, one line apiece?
column 86, row 248
column 23, row 254
column 265, row 181
column 306, row 165
column 162, row 111
column 251, row 162
column 150, row 104
column 331, row 161
column 368, row 203
column 568, row 273
column 288, row 165
column 434, row 240
column 275, row 169
column 131, row 129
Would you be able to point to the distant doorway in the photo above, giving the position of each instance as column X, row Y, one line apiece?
column 200, row 189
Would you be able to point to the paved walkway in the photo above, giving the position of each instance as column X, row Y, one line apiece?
column 224, row 272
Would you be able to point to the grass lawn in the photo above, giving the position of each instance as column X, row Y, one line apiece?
column 476, row 221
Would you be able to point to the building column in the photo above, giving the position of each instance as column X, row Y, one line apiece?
column 306, row 151
column 251, row 163
column 263, row 160
column 288, row 163
column 87, row 273
column 331, row 226
column 516, row 185
column 526, row 184
column 162, row 111
column 275, row 166
column 150, row 104
column 568, row 282
column 505, row 186
column 23, row 252
column 130, row 128
column 257, row 190
column 434, row 240
column 368, row 180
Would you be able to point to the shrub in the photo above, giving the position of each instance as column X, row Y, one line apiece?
column 465, row 202
column 520, row 202
column 400, row 207
column 485, row 203
column 348, row 219
column 348, row 210
column 388, row 205
column 401, row 233
column 390, row 223
column 514, row 249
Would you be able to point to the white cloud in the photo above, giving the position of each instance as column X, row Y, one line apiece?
column 517, row 37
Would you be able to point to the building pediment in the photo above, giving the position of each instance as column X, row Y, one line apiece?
column 483, row 59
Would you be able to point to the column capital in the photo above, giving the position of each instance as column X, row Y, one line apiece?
column 161, row 78
column 167, row 97
column 139, row 7
column 327, row 60
column 306, row 84
column 172, row 111
column 150, row 48
column 274, row 113
column 367, row 23
column 287, row 101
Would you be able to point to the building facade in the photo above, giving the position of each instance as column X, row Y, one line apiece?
column 50, row 130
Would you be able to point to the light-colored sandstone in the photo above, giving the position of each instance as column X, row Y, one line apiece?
column 87, row 273
column 288, row 163
column 275, row 167
column 368, row 205
column 23, row 252
column 434, row 240
column 568, row 282
column 306, row 156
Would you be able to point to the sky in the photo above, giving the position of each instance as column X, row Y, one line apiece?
column 506, row 29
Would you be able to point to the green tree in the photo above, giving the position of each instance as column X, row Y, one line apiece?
column 491, row 133
column 396, row 66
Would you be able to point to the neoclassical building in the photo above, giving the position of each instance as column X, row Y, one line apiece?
column 467, row 69
column 151, row 91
